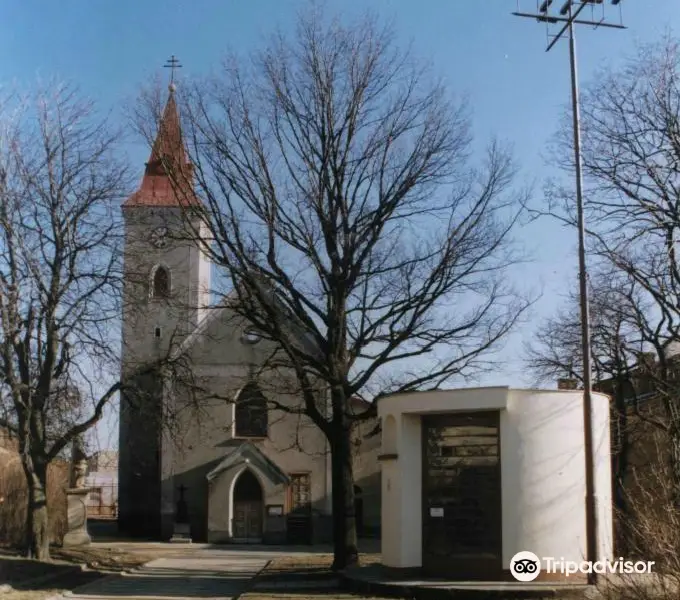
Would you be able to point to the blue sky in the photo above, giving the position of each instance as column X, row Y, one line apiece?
column 516, row 89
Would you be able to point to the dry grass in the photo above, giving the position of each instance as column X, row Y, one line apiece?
column 315, row 562
column 50, row 587
column 651, row 532
column 102, row 558
column 32, row 580
column 33, row 594
column 12, row 565
column 14, row 499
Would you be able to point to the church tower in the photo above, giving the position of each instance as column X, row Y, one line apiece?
column 167, row 275
column 166, row 292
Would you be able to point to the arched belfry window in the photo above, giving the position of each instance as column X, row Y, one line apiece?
column 160, row 282
column 250, row 412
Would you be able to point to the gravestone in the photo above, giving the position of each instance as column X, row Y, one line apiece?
column 182, row 529
column 76, row 500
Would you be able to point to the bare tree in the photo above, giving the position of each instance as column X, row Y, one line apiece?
column 631, row 153
column 342, row 205
column 60, row 270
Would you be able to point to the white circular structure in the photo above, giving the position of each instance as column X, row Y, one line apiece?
column 471, row 477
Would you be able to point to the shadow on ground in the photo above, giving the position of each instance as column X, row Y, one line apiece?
column 167, row 582
column 304, row 579
column 29, row 575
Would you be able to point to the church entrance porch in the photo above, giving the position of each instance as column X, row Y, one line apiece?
column 252, row 500
column 248, row 509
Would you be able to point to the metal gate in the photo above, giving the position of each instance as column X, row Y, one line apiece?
column 102, row 502
column 462, row 494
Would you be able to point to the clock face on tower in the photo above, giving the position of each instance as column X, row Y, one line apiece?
column 159, row 237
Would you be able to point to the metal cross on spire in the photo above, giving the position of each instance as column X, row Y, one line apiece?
column 172, row 63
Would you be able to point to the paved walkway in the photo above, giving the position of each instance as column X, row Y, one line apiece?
column 197, row 573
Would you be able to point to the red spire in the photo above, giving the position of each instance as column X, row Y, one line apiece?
column 168, row 177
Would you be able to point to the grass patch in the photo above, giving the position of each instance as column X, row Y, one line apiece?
column 53, row 580
column 311, row 563
column 106, row 558
column 33, row 580
column 32, row 594
column 98, row 557
column 14, row 567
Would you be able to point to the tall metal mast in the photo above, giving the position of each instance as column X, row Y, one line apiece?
column 568, row 16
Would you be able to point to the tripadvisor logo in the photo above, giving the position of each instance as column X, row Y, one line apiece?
column 526, row 566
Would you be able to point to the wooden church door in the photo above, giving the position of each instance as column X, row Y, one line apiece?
column 248, row 508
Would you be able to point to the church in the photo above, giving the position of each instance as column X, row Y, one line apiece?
column 243, row 465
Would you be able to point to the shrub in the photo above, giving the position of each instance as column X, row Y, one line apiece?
column 14, row 499
column 649, row 531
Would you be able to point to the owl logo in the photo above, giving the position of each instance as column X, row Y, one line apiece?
column 525, row 566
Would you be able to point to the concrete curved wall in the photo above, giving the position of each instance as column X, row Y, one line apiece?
column 543, row 474
column 542, row 470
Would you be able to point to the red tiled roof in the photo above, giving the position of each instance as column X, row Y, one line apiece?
column 168, row 177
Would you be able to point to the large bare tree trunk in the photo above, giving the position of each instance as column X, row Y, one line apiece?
column 317, row 170
column 345, row 552
column 37, row 524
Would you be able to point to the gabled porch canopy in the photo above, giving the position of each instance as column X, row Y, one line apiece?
column 248, row 454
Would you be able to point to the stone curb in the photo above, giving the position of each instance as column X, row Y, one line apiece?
column 415, row 592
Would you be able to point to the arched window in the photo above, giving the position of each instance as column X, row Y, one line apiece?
column 250, row 412
column 160, row 285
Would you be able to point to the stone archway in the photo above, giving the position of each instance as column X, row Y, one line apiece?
column 248, row 508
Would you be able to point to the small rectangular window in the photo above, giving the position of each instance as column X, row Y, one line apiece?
column 157, row 332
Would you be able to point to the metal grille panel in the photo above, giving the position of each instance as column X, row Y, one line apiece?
column 461, row 489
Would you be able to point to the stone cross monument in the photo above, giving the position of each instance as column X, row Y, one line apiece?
column 182, row 530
